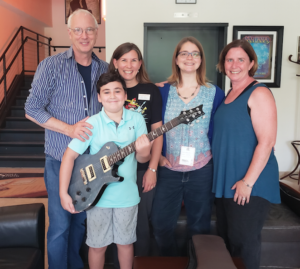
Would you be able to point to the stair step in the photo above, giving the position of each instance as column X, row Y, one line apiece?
column 20, row 100
column 23, row 92
column 27, row 135
column 36, row 160
column 19, row 123
column 21, row 147
column 17, row 111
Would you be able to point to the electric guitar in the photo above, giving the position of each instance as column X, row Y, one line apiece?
column 92, row 173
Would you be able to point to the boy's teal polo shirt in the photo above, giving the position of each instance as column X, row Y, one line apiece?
column 132, row 125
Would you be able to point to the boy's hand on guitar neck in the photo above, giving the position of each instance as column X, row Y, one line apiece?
column 143, row 148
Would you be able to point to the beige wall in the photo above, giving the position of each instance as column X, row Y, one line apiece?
column 125, row 21
column 59, row 34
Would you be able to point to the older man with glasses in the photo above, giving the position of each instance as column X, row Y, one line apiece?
column 62, row 97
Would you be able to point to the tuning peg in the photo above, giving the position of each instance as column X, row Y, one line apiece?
column 184, row 113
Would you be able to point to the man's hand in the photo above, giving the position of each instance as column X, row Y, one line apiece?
column 80, row 130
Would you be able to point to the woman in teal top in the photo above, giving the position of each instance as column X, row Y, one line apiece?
column 246, row 178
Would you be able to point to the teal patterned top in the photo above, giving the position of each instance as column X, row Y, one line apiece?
column 193, row 135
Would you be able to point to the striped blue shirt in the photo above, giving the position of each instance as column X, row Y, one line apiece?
column 58, row 91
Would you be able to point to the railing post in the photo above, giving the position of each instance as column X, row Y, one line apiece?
column 49, row 48
column 22, row 38
column 37, row 50
column 4, row 70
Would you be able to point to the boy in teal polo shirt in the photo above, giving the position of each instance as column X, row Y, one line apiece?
column 114, row 217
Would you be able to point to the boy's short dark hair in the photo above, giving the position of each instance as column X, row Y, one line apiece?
column 110, row 77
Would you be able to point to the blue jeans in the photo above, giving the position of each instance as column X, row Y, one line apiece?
column 194, row 188
column 66, row 230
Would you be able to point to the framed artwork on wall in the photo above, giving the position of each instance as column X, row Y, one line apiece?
column 93, row 6
column 267, row 43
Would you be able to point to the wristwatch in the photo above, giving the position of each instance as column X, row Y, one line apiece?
column 153, row 170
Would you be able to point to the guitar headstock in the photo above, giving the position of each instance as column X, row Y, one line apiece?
column 190, row 115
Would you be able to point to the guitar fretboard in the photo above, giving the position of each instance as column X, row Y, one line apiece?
column 124, row 152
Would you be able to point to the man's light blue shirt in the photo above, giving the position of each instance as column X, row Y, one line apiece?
column 132, row 125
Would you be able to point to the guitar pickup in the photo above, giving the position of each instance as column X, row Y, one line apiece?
column 84, row 179
column 90, row 171
column 104, row 163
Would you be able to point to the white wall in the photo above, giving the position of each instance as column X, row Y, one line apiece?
column 125, row 23
column 59, row 33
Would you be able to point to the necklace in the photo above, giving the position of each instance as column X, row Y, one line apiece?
column 186, row 97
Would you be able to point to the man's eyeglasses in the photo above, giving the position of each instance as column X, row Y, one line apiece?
column 89, row 31
column 185, row 54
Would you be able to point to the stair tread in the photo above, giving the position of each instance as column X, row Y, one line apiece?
column 17, row 107
column 4, row 130
column 21, row 97
column 25, row 143
column 16, row 118
column 25, row 156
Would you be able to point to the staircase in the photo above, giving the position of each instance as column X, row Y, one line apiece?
column 21, row 141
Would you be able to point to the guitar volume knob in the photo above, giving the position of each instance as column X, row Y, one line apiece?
column 88, row 189
column 78, row 193
column 74, row 202
column 83, row 199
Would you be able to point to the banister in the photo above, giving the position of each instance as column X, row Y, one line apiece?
column 38, row 41
column 10, row 43
column 35, row 33
column 3, row 56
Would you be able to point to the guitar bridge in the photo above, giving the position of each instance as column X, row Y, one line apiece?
column 90, row 171
column 84, row 179
column 104, row 163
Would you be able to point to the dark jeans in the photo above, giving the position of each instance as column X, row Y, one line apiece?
column 66, row 230
column 240, row 227
column 194, row 188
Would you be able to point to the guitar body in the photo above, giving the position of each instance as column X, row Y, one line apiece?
column 92, row 173
column 86, row 194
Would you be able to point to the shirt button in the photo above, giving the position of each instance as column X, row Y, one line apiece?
column 82, row 82
column 85, row 109
column 84, row 96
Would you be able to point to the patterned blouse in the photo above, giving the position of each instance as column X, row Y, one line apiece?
column 193, row 135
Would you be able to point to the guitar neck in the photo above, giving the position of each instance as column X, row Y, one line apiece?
column 124, row 152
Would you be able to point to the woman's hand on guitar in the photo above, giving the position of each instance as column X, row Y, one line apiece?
column 66, row 203
column 163, row 161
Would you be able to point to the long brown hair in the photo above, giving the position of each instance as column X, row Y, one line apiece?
column 175, row 78
column 142, row 76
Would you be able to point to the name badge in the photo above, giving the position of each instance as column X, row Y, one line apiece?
column 145, row 97
column 187, row 156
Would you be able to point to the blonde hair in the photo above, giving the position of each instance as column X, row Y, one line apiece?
column 78, row 11
column 175, row 78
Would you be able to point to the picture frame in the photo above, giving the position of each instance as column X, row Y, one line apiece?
column 94, row 6
column 267, row 42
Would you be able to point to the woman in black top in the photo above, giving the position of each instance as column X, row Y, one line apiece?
column 143, row 97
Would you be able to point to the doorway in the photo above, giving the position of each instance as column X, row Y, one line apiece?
column 160, row 40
